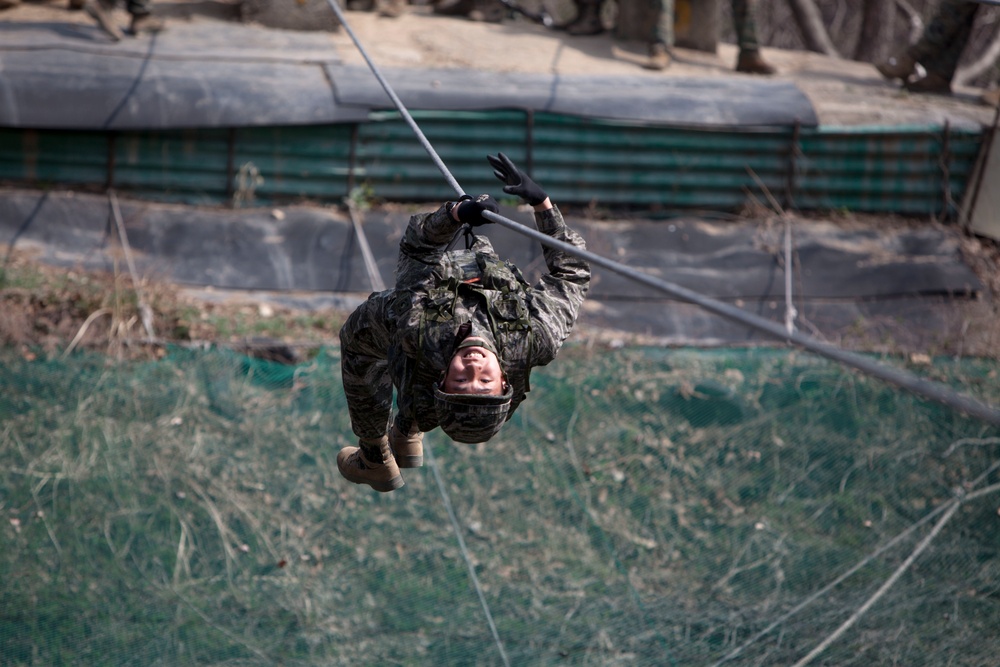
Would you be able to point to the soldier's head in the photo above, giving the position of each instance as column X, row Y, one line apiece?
column 473, row 397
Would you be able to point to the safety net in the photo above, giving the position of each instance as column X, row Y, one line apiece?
column 644, row 506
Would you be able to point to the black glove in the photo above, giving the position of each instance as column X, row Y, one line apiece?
column 517, row 182
column 470, row 211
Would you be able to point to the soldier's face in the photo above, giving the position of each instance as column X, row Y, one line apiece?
column 474, row 370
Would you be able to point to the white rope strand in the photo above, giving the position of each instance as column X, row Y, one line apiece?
column 790, row 312
column 924, row 543
column 446, row 499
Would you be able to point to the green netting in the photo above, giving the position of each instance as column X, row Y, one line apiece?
column 644, row 507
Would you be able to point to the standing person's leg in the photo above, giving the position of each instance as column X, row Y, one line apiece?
column 749, row 60
column 662, row 39
column 142, row 17
column 390, row 8
column 588, row 19
column 101, row 11
column 940, row 47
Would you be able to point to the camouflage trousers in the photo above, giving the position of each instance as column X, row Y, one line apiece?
column 743, row 22
column 364, row 367
column 944, row 38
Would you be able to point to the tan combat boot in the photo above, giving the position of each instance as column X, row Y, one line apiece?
column 391, row 8
column 658, row 57
column 488, row 11
column 932, row 83
column 102, row 14
column 751, row 62
column 145, row 23
column 407, row 448
column 383, row 476
column 453, row 7
column 901, row 66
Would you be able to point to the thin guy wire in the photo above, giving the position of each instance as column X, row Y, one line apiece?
column 790, row 312
column 606, row 541
column 946, row 506
column 889, row 583
column 432, row 463
column 430, row 452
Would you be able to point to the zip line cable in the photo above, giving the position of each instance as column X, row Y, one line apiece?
column 396, row 101
column 931, row 390
column 904, row 379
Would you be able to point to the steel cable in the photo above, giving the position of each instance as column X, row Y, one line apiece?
column 901, row 378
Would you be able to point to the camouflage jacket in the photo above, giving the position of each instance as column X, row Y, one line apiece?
column 403, row 338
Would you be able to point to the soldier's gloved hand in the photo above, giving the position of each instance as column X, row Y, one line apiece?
column 517, row 182
column 470, row 211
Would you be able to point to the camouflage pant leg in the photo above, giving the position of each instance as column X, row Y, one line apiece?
column 139, row 7
column 663, row 27
column 940, row 47
column 364, row 348
column 745, row 24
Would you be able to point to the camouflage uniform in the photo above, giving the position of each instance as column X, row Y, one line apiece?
column 943, row 40
column 743, row 21
column 403, row 338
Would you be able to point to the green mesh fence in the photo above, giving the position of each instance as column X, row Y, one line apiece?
column 643, row 507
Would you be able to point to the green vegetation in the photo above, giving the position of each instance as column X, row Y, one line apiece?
column 644, row 506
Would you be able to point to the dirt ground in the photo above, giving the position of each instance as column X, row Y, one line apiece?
column 843, row 92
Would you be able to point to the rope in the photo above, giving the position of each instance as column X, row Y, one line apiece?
column 396, row 101
column 144, row 310
column 371, row 266
column 883, row 588
column 944, row 507
column 901, row 378
column 432, row 463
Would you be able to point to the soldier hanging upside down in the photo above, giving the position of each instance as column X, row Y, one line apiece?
column 458, row 335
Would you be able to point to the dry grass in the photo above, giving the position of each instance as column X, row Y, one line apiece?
column 51, row 309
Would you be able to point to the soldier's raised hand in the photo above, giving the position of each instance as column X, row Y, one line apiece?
column 516, row 181
column 471, row 211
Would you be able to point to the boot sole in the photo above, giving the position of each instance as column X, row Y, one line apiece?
column 382, row 487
